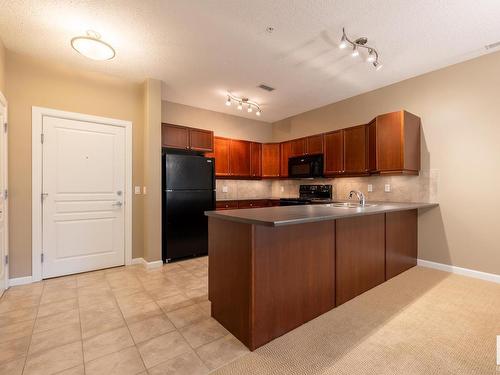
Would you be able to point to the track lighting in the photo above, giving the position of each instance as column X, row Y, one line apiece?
column 372, row 58
column 251, row 105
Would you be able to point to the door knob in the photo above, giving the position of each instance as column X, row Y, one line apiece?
column 118, row 204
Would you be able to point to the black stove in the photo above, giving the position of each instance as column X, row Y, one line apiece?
column 310, row 194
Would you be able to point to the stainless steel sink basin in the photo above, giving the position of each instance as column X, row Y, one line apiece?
column 349, row 205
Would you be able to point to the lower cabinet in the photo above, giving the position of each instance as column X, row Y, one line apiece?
column 360, row 255
column 246, row 203
column 401, row 242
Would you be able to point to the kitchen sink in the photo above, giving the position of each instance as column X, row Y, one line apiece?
column 349, row 205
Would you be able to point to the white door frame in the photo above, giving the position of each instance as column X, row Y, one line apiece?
column 3, row 101
column 38, row 113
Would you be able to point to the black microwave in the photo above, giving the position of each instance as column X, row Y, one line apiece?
column 305, row 166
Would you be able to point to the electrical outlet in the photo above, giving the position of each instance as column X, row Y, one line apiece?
column 225, row 189
column 370, row 188
column 387, row 188
column 144, row 190
column 137, row 190
column 282, row 188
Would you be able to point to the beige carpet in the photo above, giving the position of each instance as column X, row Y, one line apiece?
column 421, row 322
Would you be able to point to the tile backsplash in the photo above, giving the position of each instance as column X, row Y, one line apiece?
column 422, row 188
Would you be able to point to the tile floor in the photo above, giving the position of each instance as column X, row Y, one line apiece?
column 125, row 320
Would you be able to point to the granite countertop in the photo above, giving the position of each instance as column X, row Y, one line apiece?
column 288, row 215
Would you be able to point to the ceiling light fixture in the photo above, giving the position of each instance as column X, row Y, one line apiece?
column 92, row 47
column 251, row 105
column 372, row 58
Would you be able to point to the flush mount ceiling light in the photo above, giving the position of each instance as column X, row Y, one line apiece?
column 243, row 102
column 93, row 47
column 372, row 57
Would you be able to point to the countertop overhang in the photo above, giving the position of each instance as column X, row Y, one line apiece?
column 289, row 215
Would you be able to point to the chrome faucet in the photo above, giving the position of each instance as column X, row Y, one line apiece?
column 360, row 195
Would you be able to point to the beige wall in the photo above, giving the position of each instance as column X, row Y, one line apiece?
column 152, row 170
column 460, row 111
column 30, row 82
column 2, row 67
column 222, row 124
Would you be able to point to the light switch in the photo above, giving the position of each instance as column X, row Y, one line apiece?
column 370, row 188
column 137, row 190
column 387, row 188
column 144, row 190
column 225, row 189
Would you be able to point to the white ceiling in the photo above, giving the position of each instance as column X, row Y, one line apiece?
column 202, row 48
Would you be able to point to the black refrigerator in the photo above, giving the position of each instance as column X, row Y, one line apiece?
column 188, row 191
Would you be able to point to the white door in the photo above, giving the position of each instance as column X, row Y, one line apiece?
column 83, row 196
column 4, row 241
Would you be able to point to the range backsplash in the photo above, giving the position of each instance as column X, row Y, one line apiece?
column 422, row 188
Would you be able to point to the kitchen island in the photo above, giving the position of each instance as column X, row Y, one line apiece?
column 273, row 269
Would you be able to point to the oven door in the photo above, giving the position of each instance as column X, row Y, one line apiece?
column 305, row 166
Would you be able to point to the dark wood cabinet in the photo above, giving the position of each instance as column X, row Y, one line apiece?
column 314, row 144
column 394, row 141
column 184, row 138
column 298, row 147
column 246, row 203
column 401, row 242
column 221, row 154
column 286, row 150
column 201, row 140
column 360, row 255
column 255, row 159
column 226, row 205
column 271, row 160
column 355, row 151
column 239, row 158
column 174, row 136
column 333, row 163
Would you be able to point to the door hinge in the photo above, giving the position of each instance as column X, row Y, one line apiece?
column 6, row 260
column 5, row 194
column 42, row 136
column 42, row 257
column 5, row 127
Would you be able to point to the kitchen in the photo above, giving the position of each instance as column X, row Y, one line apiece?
column 326, row 157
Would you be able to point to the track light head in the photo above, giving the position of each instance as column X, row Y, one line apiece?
column 355, row 52
column 228, row 101
column 240, row 106
column 258, row 113
column 377, row 65
column 371, row 56
column 249, row 110
column 343, row 42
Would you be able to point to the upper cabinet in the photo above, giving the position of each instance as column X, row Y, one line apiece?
column 184, row 138
column 255, row 159
column 221, row 154
column 394, row 144
column 333, row 163
column 355, row 151
column 286, row 152
column 239, row 158
column 271, row 160
column 307, row 145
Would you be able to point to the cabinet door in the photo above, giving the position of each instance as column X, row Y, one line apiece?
column 401, row 242
column 371, row 129
column 239, row 158
column 255, row 159
column 173, row 136
column 314, row 144
column 298, row 147
column 286, row 149
column 389, row 131
column 221, row 154
column 360, row 255
column 270, row 160
column 355, row 156
column 201, row 140
column 333, row 153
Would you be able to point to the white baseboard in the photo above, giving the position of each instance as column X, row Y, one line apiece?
column 148, row 265
column 460, row 271
column 20, row 281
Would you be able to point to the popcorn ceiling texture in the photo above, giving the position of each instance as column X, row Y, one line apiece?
column 422, row 188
